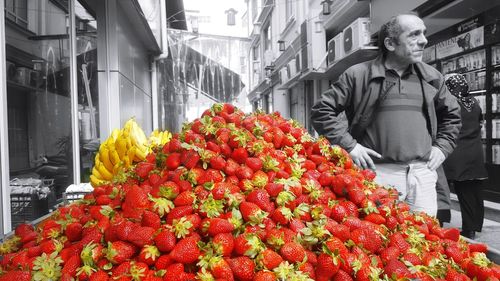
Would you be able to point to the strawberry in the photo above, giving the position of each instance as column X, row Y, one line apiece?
column 243, row 268
column 293, row 252
column 251, row 212
column 270, row 259
column 71, row 266
column 189, row 158
column 451, row 233
column 396, row 268
column 16, row 275
column 264, row 276
column 478, row 247
column 366, row 238
column 254, row 163
column 163, row 262
column 149, row 255
column 239, row 155
column 120, row 251
column 217, row 225
column 224, row 242
column 342, row 276
column 150, row 219
column 173, row 161
column 165, row 241
column 327, row 266
column 218, row 163
column 142, row 169
column 220, row 269
column 186, row 250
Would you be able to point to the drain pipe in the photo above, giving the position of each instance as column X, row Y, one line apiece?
column 154, row 69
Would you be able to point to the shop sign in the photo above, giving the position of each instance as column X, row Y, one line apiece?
column 465, row 41
column 429, row 54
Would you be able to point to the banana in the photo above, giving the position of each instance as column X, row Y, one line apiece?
column 96, row 182
column 115, row 158
column 117, row 168
column 126, row 161
column 131, row 154
column 106, row 175
column 114, row 134
column 121, row 146
column 96, row 173
column 140, row 154
column 104, row 157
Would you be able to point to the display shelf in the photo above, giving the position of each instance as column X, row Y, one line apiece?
column 21, row 87
column 333, row 71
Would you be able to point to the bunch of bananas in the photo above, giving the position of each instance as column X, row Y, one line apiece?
column 159, row 138
column 119, row 152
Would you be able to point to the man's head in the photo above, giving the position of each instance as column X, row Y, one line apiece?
column 403, row 38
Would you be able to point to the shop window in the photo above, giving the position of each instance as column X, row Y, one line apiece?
column 17, row 11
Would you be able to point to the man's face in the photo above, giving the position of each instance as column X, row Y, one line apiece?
column 411, row 42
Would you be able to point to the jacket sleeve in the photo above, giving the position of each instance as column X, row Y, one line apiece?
column 448, row 118
column 328, row 116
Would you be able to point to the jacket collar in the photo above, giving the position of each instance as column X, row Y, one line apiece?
column 377, row 69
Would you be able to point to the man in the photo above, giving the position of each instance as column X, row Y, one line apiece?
column 402, row 121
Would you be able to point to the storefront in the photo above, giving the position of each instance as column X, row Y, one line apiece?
column 74, row 70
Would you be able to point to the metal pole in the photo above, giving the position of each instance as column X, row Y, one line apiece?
column 5, row 219
column 74, row 93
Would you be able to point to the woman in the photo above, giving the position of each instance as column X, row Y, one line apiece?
column 464, row 168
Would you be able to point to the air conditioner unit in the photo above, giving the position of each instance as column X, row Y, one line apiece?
column 356, row 35
column 335, row 50
column 316, row 45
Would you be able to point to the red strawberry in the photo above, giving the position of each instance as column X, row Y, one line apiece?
column 189, row 158
column 120, row 251
column 327, row 266
column 186, row 250
column 270, row 259
column 149, row 255
column 396, row 268
column 254, row 163
column 151, row 219
column 16, row 275
column 240, row 155
column 163, row 262
column 220, row 269
column 478, row 247
column 243, row 268
column 264, row 276
column 293, row 252
column 173, row 161
column 226, row 243
column 71, row 266
column 142, row 169
column 74, row 231
column 218, row 225
column 251, row 212
column 218, row 163
column 165, row 241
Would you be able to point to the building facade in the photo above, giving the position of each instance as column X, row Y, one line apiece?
column 71, row 71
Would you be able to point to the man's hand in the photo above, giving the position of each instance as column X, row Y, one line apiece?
column 435, row 159
column 361, row 156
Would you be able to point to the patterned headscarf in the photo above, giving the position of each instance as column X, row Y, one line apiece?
column 458, row 86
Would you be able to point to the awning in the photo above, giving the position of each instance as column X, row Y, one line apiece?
column 200, row 72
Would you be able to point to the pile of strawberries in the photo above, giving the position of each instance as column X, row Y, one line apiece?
column 242, row 197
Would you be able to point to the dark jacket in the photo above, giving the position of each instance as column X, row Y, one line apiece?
column 467, row 162
column 357, row 93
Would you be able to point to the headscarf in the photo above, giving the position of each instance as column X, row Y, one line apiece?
column 458, row 86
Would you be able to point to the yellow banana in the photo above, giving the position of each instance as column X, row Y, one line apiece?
column 96, row 173
column 115, row 158
column 106, row 175
column 114, row 134
column 121, row 146
column 126, row 161
column 117, row 168
column 105, row 158
column 166, row 137
column 140, row 154
column 131, row 154
column 96, row 182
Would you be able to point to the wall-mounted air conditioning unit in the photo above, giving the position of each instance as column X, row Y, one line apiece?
column 335, row 49
column 356, row 35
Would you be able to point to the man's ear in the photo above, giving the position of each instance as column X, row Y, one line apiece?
column 389, row 44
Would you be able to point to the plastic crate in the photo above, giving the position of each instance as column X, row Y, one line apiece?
column 70, row 197
column 26, row 207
